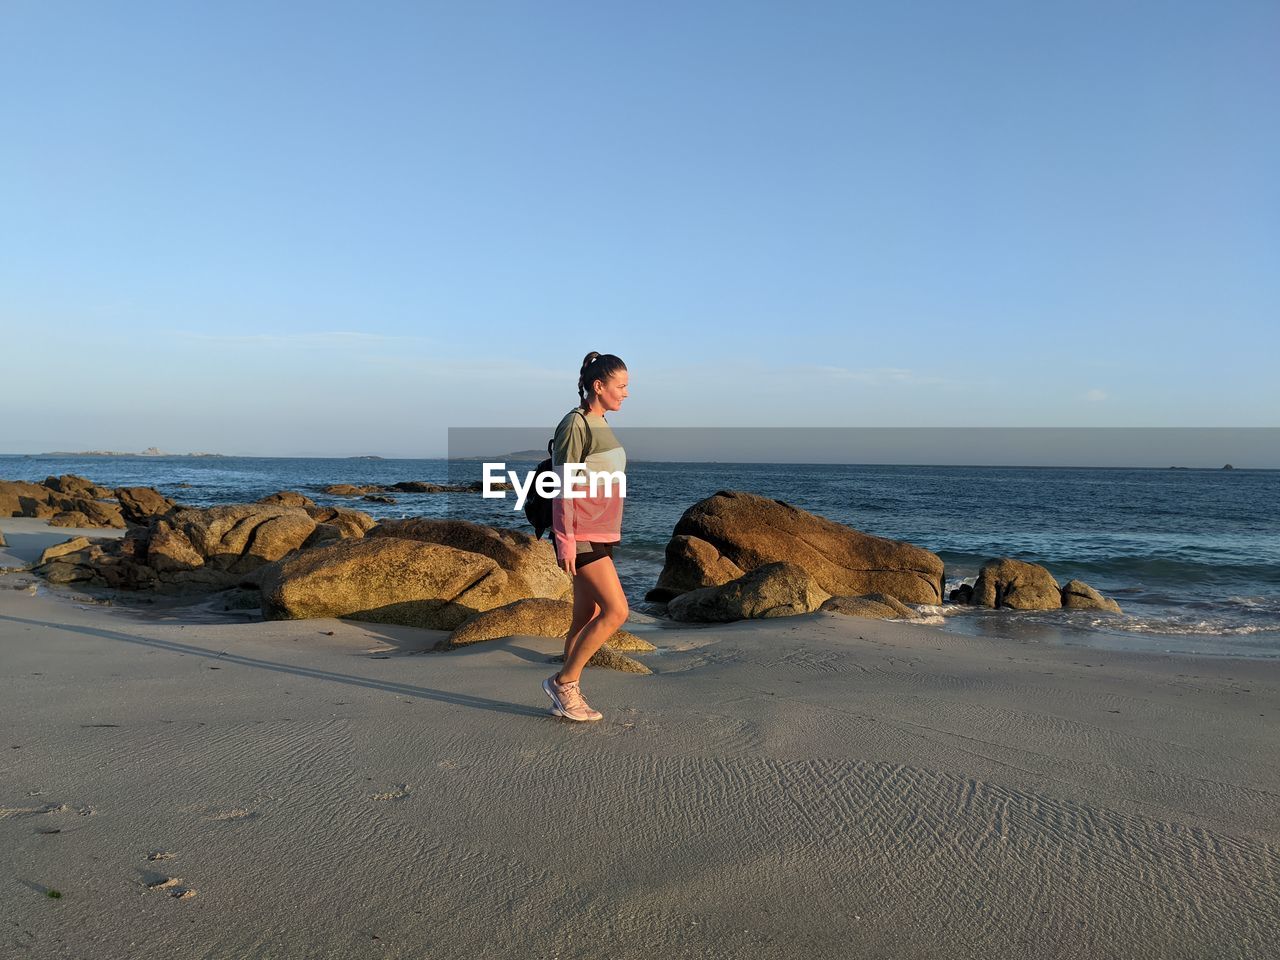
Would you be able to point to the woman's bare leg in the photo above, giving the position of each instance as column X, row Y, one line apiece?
column 584, row 609
column 598, row 581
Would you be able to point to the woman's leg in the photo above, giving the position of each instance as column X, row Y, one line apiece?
column 584, row 609
column 599, row 581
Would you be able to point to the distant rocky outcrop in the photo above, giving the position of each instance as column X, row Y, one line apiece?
column 877, row 606
column 386, row 580
column 730, row 533
column 773, row 590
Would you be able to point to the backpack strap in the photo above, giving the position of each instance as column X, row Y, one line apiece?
column 587, row 449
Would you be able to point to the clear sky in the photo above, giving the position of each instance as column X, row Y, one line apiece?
column 340, row 228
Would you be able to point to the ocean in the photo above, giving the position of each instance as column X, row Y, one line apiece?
column 1192, row 556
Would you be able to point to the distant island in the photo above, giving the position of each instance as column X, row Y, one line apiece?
column 503, row 457
column 149, row 452
column 367, row 456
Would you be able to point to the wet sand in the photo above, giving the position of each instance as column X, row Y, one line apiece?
column 813, row 786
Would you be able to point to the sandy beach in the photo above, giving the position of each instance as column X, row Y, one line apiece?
column 197, row 785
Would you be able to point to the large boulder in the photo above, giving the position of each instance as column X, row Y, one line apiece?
column 350, row 490
column 877, row 606
column 1078, row 595
column 773, row 590
column 531, row 617
column 385, row 580
column 235, row 538
column 139, row 504
column 1016, row 585
column 750, row 531
column 529, row 562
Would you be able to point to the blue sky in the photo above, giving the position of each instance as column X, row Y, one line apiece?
column 339, row 228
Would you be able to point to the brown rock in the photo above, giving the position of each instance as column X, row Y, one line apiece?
column 1017, row 585
column 21, row 499
column 71, row 518
column 62, row 549
column 691, row 564
column 76, row 486
column 531, row 617
column 531, row 563
column 349, row 490
column 750, row 531
column 877, row 606
column 773, row 590
column 385, row 580
column 611, row 659
column 378, row 498
column 350, row 523
column 288, row 498
column 139, row 504
column 241, row 536
column 1078, row 595
column 170, row 550
column 962, row 594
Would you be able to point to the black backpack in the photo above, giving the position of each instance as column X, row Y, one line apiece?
column 537, row 508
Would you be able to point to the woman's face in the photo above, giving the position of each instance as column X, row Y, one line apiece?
column 613, row 391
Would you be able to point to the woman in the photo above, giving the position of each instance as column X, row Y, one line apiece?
column 586, row 528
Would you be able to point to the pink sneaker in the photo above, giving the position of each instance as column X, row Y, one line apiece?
column 567, row 700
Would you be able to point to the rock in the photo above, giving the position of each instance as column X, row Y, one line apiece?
column 750, row 531
column 169, row 549
column 234, row 538
column 531, row 617
column 416, row 486
column 75, row 486
column 288, row 498
column 962, row 594
column 139, row 504
column 773, row 590
column 65, row 571
column 348, row 490
column 378, row 498
column 1016, row 585
column 693, row 563
column 1227, row 466
column 21, row 499
column 3, row 543
column 1078, row 595
column 531, row 563
column 611, row 659
column 385, row 580
column 62, row 549
column 71, row 518
column 877, row 606
column 350, row 523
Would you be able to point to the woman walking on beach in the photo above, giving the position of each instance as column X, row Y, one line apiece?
column 586, row 528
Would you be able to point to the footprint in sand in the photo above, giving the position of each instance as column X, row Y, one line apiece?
column 398, row 792
column 235, row 813
column 174, row 886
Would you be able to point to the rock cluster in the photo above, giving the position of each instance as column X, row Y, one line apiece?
column 1006, row 583
column 731, row 533
column 65, row 501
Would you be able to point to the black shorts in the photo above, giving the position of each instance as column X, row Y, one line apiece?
column 589, row 551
